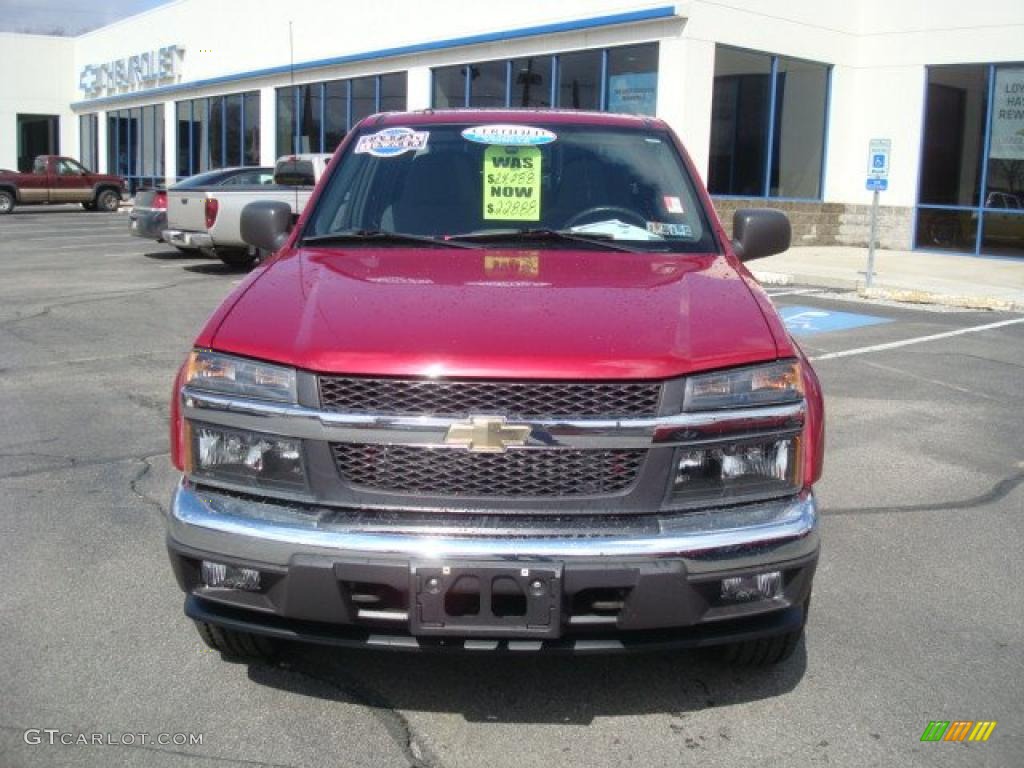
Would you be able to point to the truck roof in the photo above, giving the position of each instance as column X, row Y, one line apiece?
column 515, row 116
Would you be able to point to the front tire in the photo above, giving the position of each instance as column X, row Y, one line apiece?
column 6, row 202
column 237, row 645
column 108, row 200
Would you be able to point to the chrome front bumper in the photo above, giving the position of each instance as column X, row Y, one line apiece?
column 743, row 537
column 187, row 239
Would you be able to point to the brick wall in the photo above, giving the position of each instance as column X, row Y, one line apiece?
column 831, row 223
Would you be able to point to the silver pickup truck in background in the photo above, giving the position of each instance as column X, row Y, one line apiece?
column 208, row 218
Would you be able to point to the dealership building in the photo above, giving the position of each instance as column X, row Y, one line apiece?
column 777, row 102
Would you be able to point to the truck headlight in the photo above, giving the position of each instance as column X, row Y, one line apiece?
column 736, row 472
column 253, row 459
column 230, row 375
column 771, row 384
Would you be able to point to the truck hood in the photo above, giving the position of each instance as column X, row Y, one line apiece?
column 548, row 314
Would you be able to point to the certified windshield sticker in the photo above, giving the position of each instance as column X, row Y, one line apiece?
column 668, row 229
column 509, row 135
column 392, row 142
column 512, row 183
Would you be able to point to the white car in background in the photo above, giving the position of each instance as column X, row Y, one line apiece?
column 208, row 218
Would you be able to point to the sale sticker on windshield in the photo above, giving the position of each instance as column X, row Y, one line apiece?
column 392, row 142
column 512, row 183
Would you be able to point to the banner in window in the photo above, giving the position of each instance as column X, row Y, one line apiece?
column 633, row 93
column 1008, row 115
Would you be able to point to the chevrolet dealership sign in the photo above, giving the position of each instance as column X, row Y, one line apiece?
column 133, row 72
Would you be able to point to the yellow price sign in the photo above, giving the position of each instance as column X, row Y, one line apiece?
column 512, row 183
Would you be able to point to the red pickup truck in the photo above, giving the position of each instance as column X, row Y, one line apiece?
column 60, row 180
column 506, row 385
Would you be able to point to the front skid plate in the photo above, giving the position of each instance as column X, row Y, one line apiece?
column 704, row 635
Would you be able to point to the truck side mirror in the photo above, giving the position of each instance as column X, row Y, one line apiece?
column 265, row 224
column 759, row 232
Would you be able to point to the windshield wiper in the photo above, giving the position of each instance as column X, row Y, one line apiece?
column 564, row 235
column 377, row 236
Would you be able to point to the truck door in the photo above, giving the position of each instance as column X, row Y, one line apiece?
column 34, row 187
column 72, row 184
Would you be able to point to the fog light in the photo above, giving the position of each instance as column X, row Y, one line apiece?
column 762, row 586
column 230, row 577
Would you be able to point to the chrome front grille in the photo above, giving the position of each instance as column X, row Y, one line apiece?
column 515, row 473
column 516, row 400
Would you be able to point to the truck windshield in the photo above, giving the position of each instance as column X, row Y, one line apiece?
column 556, row 185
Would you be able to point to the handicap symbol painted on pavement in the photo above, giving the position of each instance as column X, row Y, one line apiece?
column 802, row 321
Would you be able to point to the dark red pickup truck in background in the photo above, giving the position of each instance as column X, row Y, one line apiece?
column 57, row 179
column 506, row 385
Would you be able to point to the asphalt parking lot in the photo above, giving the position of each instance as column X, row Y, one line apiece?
column 918, row 606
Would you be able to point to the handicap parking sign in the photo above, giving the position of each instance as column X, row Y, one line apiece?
column 879, row 151
column 802, row 321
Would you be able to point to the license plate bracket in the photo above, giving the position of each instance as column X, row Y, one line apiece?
column 486, row 600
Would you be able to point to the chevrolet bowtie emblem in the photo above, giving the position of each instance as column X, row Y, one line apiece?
column 487, row 434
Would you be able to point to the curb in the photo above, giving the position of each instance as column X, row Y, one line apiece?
column 910, row 296
column 890, row 293
column 818, row 281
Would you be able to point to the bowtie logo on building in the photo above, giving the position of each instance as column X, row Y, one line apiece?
column 87, row 80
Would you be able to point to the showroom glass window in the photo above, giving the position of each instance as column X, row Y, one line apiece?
column 135, row 145
column 488, row 84
column 971, row 184
column 217, row 132
column 531, row 82
column 632, row 79
column 623, row 79
column 449, row 87
column 314, row 117
column 88, row 142
column 579, row 80
column 768, row 125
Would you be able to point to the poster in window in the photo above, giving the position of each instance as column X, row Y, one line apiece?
column 633, row 93
column 1008, row 115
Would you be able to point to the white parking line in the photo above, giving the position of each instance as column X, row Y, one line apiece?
column 80, row 246
column 917, row 340
column 19, row 233
column 61, row 236
column 795, row 292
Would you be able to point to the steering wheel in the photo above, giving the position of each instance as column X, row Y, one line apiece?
column 636, row 217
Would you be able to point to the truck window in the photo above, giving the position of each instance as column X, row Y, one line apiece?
column 253, row 177
column 295, row 173
column 69, row 168
column 620, row 182
column 39, row 166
